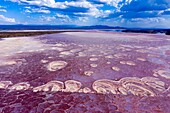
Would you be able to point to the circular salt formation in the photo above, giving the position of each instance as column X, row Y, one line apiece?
column 153, row 55
column 59, row 44
column 72, row 86
column 93, row 65
column 120, row 55
column 58, row 49
column 10, row 62
column 141, row 59
column 135, row 86
column 122, row 90
column 126, row 80
column 109, row 56
column 20, row 86
column 81, row 54
column 5, row 84
column 56, row 65
column 164, row 73
column 108, row 62
column 115, row 68
column 53, row 86
column 50, row 57
column 93, row 59
column 154, row 83
column 88, row 73
column 142, row 51
column 106, row 86
column 75, row 50
column 131, row 63
column 122, row 62
column 86, row 90
column 44, row 61
column 138, row 90
column 66, row 53
column 93, row 55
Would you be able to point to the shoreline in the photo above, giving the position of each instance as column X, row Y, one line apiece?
column 18, row 33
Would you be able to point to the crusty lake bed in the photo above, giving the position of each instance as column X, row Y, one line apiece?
column 85, row 71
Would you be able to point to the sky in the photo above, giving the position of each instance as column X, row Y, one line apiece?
column 125, row 13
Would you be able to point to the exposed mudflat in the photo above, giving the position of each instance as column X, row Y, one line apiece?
column 92, row 72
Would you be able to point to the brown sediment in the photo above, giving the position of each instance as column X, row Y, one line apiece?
column 167, row 52
column 17, row 34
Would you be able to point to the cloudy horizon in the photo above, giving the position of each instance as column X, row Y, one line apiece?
column 125, row 13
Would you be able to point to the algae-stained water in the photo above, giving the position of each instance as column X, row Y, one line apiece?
column 78, row 71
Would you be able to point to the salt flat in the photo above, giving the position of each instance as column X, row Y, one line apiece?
column 85, row 71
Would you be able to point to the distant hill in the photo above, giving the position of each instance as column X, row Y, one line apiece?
column 99, row 27
column 52, row 27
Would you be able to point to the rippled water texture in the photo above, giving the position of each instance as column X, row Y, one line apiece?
column 78, row 72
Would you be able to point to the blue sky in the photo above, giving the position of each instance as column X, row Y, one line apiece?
column 126, row 13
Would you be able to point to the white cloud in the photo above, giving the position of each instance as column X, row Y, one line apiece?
column 81, row 3
column 36, row 10
column 6, row 19
column 156, row 22
column 28, row 7
column 28, row 11
column 48, row 3
column 96, row 13
column 2, row 6
column 61, row 15
column 116, row 3
column 41, row 10
column 47, row 18
column 148, row 20
column 64, row 18
column 83, row 19
column 3, row 10
column 111, row 2
column 61, row 5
